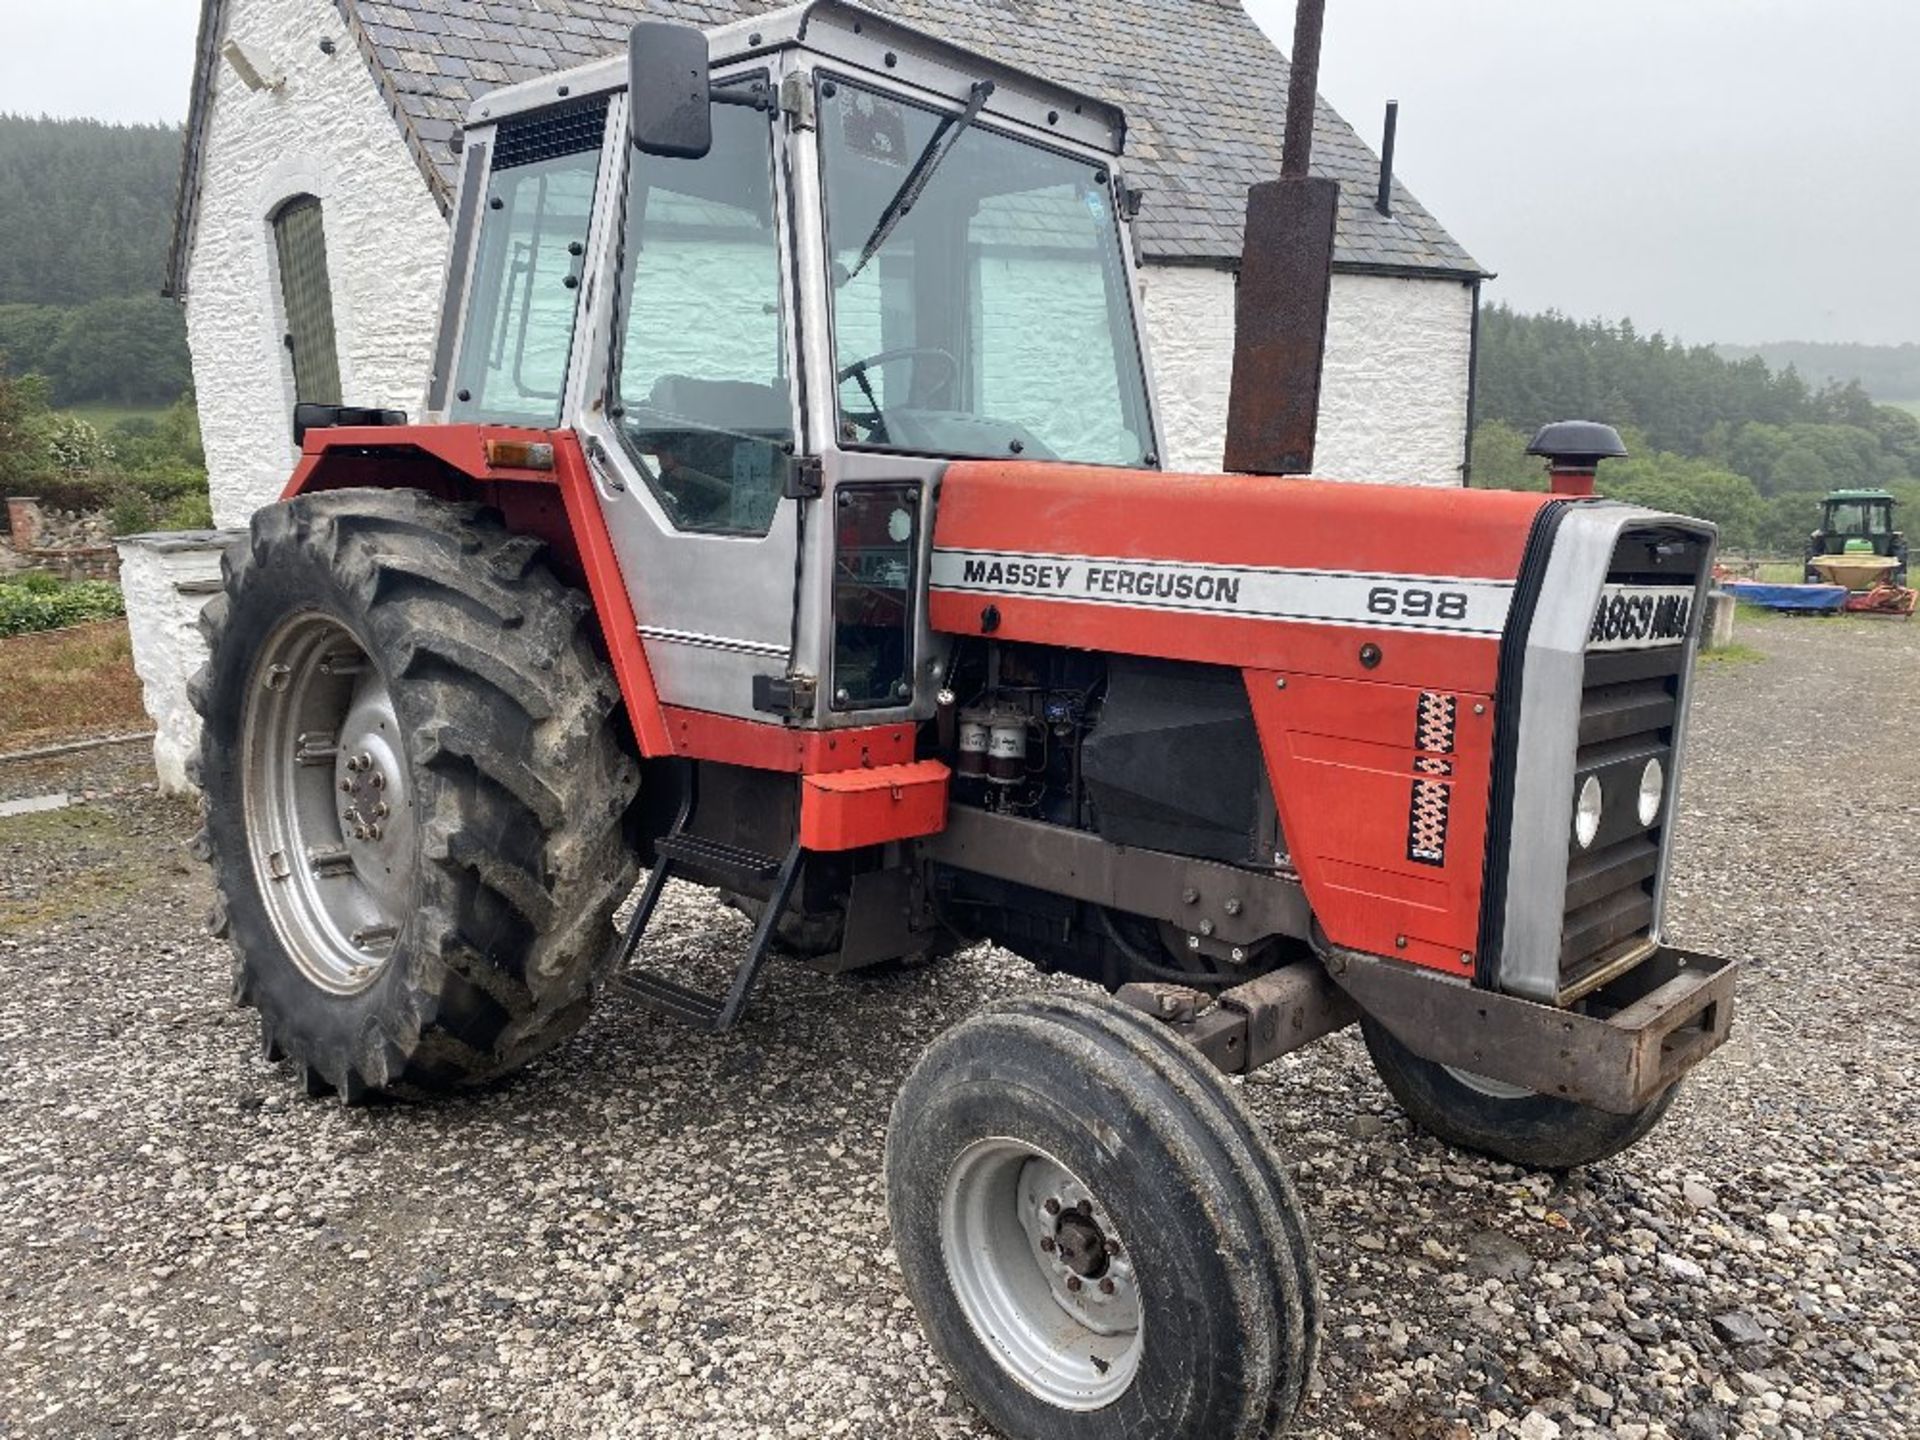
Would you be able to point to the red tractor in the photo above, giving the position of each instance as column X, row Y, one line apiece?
column 790, row 520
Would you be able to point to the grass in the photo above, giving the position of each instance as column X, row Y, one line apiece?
column 105, row 414
column 100, row 865
column 1731, row 656
column 61, row 685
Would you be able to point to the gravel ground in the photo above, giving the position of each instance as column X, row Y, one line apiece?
column 659, row 1234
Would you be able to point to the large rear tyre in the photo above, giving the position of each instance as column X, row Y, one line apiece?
column 1474, row 1112
column 1098, row 1241
column 415, row 789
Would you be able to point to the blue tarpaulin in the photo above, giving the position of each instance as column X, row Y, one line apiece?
column 1824, row 598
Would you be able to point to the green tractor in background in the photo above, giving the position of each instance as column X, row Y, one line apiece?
column 1856, row 523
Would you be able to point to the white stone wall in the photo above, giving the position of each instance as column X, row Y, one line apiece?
column 167, row 580
column 326, row 133
column 1393, row 397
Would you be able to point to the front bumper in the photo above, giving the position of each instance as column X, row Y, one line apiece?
column 1631, row 1040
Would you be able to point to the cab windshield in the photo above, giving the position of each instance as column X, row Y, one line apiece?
column 991, row 315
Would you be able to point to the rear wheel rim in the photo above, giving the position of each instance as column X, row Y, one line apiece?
column 1042, row 1274
column 328, row 804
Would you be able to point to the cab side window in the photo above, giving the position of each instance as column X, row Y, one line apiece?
column 526, row 286
column 702, row 389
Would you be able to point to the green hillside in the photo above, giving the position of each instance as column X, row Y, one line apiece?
column 86, row 210
column 1732, row 440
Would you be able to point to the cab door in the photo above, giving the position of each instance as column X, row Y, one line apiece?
column 692, row 423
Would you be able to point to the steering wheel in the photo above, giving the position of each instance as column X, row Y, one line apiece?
column 873, row 421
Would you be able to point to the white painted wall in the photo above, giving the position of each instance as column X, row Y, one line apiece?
column 1393, row 397
column 325, row 133
column 168, row 579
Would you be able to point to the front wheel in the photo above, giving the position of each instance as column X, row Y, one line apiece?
column 1097, row 1240
column 1476, row 1112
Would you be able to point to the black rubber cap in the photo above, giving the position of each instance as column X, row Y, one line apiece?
column 1578, row 442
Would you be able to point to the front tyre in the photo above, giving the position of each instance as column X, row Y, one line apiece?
column 415, row 789
column 1097, row 1241
column 1474, row 1112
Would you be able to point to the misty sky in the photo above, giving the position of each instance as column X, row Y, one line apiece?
column 1726, row 170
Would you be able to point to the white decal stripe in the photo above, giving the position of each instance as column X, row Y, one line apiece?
column 1441, row 605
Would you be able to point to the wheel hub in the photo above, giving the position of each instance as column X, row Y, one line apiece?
column 1042, row 1273
column 1087, row 1268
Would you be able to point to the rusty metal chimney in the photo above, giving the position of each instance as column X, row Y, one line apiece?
column 1286, row 274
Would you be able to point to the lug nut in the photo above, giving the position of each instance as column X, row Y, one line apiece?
column 1233, row 906
column 1073, row 1283
column 380, row 812
column 1052, row 1207
column 1106, row 1287
column 346, row 787
column 1046, row 1245
column 378, row 780
column 373, row 832
column 1190, row 896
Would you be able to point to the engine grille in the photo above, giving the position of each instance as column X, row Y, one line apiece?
column 1630, row 705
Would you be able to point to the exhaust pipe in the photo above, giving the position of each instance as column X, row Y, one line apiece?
column 1286, row 276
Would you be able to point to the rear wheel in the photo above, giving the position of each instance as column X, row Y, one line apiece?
column 415, row 790
column 1508, row 1122
column 1097, row 1239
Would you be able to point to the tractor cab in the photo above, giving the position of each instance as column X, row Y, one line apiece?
column 810, row 257
column 1858, row 522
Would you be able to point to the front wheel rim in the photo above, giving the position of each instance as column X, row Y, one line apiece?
column 1042, row 1274
column 327, row 796
column 1488, row 1086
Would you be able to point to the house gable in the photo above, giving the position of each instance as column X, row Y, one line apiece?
column 326, row 132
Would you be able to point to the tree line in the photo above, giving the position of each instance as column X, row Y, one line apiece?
column 1730, row 440
column 86, row 213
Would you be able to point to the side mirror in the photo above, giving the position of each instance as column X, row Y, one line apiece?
column 669, row 100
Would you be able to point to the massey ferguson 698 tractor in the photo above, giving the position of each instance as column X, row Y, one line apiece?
column 790, row 518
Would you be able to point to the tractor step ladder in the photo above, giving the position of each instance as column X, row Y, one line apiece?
column 742, row 869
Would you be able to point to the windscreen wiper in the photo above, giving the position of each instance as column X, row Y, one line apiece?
column 914, row 186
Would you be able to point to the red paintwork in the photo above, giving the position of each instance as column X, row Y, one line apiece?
column 1341, row 754
column 1339, row 738
column 852, row 809
column 1233, row 520
column 560, row 507
column 1571, row 484
column 702, row 735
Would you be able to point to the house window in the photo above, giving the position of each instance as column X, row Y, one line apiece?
column 306, row 299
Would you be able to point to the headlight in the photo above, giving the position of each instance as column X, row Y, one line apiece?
column 1586, row 813
column 1653, row 790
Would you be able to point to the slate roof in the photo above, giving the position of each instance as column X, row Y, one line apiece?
column 1205, row 93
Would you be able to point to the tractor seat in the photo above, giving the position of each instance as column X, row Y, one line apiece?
column 720, row 405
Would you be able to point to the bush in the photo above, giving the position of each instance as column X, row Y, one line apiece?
column 27, row 607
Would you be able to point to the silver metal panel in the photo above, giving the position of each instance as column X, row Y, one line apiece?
column 736, row 593
column 1684, row 707
column 1550, row 697
column 456, row 276
column 851, row 35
